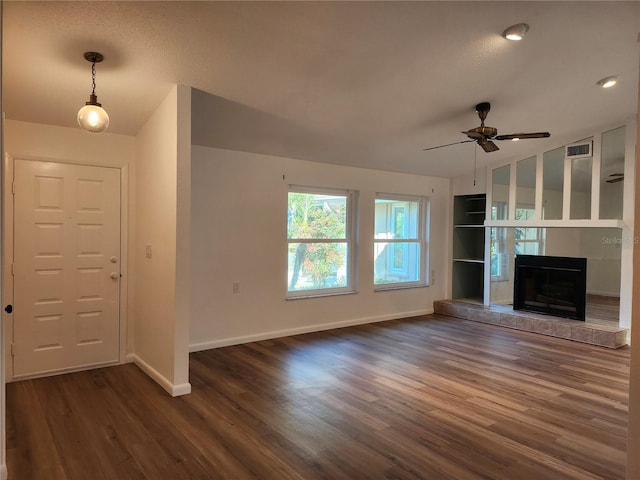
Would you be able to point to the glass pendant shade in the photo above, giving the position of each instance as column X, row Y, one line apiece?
column 93, row 118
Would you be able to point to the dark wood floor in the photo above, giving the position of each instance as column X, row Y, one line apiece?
column 429, row 397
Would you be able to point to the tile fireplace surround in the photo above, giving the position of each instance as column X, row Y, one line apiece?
column 603, row 335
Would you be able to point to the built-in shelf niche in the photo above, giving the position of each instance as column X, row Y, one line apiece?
column 468, row 247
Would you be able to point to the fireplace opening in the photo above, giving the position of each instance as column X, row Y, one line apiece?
column 551, row 285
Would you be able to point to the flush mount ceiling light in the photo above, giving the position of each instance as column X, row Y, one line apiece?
column 92, row 117
column 607, row 82
column 516, row 32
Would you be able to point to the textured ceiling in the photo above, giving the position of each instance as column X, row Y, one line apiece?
column 367, row 84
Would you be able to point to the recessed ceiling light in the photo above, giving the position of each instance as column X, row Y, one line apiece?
column 608, row 82
column 516, row 32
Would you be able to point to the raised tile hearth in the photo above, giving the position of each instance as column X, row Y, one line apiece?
column 603, row 335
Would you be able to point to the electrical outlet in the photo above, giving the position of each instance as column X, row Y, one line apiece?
column 147, row 251
column 432, row 280
column 236, row 287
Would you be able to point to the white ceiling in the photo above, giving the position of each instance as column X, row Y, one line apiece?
column 367, row 84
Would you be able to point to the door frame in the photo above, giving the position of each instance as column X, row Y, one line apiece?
column 8, row 164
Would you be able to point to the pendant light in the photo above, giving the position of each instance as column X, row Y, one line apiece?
column 92, row 117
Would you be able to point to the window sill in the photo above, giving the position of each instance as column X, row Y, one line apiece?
column 499, row 279
column 320, row 295
column 381, row 288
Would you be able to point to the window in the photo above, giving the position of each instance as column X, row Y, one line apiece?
column 506, row 242
column 320, row 246
column 499, row 256
column 400, row 241
column 528, row 241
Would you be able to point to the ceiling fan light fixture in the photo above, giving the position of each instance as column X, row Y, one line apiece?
column 92, row 117
column 607, row 82
column 516, row 32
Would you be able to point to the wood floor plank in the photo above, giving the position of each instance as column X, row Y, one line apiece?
column 421, row 398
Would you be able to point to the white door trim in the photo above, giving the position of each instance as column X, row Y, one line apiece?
column 7, row 246
column 7, row 255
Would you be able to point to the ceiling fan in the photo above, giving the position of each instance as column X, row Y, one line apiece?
column 484, row 135
column 615, row 178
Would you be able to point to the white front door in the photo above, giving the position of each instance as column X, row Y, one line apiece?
column 66, row 267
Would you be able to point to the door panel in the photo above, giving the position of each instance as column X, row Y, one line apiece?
column 66, row 266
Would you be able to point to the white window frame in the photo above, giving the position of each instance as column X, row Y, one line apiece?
column 422, row 238
column 502, row 256
column 539, row 240
column 350, row 240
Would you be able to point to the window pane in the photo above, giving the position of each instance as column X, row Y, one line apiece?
column 498, row 252
column 396, row 219
column 524, row 213
column 313, row 215
column 580, row 206
column 612, row 173
column 553, row 184
column 526, row 233
column 500, row 192
column 526, row 248
column 526, row 185
column 396, row 262
column 317, row 265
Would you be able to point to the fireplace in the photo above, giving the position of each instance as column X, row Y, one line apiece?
column 551, row 285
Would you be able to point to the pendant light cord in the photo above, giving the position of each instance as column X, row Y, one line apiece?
column 475, row 163
column 93, row 78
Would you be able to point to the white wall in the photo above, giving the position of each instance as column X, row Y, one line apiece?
column 470, row 183
column 239, row 228
column 161, row 317
column 34, row 141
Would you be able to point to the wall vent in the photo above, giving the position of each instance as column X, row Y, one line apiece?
column 579, row 150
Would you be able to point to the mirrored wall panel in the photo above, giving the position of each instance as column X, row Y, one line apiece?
column 500, row 193
column 581, row 188
column 600, row 246
column 553, row 184
column 612, row 174
column 501, row 288
column 526, row 188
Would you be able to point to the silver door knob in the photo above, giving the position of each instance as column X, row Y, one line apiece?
column 114, row 275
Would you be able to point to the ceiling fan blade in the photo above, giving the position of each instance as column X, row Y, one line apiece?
column 615, row 178
column 522, row 136
column 488, row 146
column 447, row 145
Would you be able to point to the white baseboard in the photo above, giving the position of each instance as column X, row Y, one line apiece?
column 225, row 342
column 4, row 474
column 604, row 294
column 173, row 390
